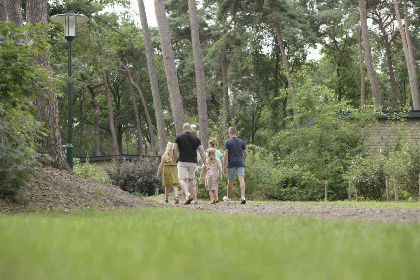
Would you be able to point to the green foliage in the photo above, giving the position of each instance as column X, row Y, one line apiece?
column 368, row 177
column 21, row 79
column 90, row 170
column 18, row 157
column 403, row 168
column 136, row 176
column 323, row 148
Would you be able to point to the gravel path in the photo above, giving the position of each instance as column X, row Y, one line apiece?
column 326, row 211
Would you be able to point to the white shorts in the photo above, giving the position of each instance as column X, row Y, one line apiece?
column 186, row 170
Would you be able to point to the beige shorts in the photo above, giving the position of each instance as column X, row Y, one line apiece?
column 186, row 170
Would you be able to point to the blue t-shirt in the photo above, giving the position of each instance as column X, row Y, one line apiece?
column 235, row 146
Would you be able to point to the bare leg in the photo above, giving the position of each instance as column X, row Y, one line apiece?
column 175, row 187
column 216, row 194
column 211, row 195
column 230, row 188
column 184, row 187
column 192, row 189
column 166, row 193
column 242, row 184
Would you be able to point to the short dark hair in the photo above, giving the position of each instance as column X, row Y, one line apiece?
column 232, row 130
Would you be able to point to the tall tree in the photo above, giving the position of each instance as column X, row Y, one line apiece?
column 14, row 11
column 170, row 67
column 137, row 119
column 146, row 110
column 115, row 149
column 3, row 10
column 160, row 122
column 362, row 72
column 288, row 74
column 408, row 52
column 47, row 107
column 199, row 74
column 383, row 21
column 226, row 115
column 368, row 56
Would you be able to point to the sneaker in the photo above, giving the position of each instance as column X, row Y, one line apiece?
column 243, row 201
column 176, row 200
column 224, row 198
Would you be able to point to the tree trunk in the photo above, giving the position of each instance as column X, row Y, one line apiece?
column 115, row 150
column 95, row 105
column 81, row 125
column 409, row 57
column 226, row 115
column 362, row 73
column 120, row 137
column 368, row 56
column 170, row 68
column 343, row 57
column 3, row 10
column 388, row 54
column 136, row 113
column 47, row 108
column 146, row 110
column 234, row 98
column 199, row 75
column 137, row 119
column 289, row 77
column 14, row 11
column 160, row 120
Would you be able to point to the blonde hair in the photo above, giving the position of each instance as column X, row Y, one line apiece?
column 213, row 143
column 211, row 155
column 168, row 155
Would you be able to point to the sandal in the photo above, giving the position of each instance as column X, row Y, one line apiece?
column 188, row 200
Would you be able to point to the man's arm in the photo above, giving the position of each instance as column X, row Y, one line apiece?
column 203, row 157
column 244, row 152
column 174, row 151
column 225, row 159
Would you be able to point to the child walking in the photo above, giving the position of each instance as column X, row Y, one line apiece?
column 170, row 172
column 212, row 176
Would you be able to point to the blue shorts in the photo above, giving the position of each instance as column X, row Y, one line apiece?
column 233, row 170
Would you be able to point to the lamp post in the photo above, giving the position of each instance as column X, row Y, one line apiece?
column 70, row 20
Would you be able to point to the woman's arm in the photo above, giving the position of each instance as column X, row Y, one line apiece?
column 162, row 163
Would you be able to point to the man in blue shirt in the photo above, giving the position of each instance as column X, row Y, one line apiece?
column 235, row 153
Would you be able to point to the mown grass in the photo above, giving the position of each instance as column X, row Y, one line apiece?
column 182, row 244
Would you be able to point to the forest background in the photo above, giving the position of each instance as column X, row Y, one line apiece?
column 254, row 74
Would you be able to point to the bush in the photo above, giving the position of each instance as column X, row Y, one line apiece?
column 137, row 176
column 21, row 80
column 90, row 170
column 18, row 157
column 368, row 178
column 403, row 167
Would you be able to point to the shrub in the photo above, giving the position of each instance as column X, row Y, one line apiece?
column 18, row 157
column 368, row 177
column 21, row 80
column 402, row 166
column 136, row 176
column 90, row 170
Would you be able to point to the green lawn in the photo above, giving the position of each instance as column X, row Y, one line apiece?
column 183, row 244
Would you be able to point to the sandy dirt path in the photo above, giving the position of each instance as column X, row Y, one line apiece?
column 327, row 211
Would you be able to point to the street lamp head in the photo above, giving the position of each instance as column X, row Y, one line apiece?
column 70, row 20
